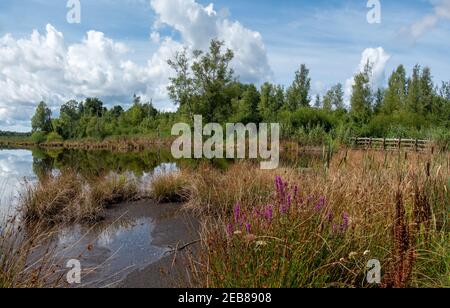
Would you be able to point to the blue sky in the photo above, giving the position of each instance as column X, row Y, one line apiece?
column 331, row 37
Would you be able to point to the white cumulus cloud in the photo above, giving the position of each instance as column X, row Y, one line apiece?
column 45, row 67
column 378, row 59
column 198, row 25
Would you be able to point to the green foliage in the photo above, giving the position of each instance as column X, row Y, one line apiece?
column 334, row 98
column 42, row 119
column 54, row 137
column 38, row 137
column 361, row 99
column 298, row 93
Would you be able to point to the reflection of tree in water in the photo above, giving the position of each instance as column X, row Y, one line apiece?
column 42, row 163
column 100, row 162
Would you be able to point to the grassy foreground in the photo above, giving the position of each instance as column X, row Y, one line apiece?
column 290, row 227
column 319, row 228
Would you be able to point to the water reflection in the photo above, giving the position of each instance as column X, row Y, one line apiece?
column 15, row 166
column 20, row 166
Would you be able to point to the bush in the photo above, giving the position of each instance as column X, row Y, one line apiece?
column 38, row 137
column 54, row 137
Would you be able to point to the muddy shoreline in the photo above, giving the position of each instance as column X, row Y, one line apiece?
column 131, row 247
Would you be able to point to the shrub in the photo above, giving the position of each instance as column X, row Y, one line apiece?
column 54, row 137
column 38, row 137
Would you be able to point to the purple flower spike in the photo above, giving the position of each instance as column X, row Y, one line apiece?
column 346, row 219
column 237, row 213
column 321, row 203
column 248, row 227
column 269, row 213
column 346, row 222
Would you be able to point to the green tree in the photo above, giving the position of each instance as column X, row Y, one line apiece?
column 181, row 89
column 379, row 100
column 246, row 108
column 202, row 87
column 427, row 91
column 397, row 92
column 93, row 107
column 361, row 100
column 414, row 91
column 298, row 93
column 212, row 76
column 334, row 98
column 271, row 101
column 42, row 119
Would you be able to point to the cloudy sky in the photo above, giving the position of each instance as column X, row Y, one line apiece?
column 121, row 47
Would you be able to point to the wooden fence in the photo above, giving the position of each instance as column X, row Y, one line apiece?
column 393, row 144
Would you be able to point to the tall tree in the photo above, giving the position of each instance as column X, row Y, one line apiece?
column 212, row 75
column 427, row 91
column 396, row 93
column 181, row 88
column 42, row 119
column 361, row 100
column 414, row 91
column 200, row 88
column 298, row 93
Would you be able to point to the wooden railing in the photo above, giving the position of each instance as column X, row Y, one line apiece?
column 393, row 144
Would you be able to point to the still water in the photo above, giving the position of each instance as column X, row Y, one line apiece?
column 21, row 167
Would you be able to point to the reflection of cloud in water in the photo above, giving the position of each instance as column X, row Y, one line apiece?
column 115, row 249
column 164, row 168
column 15, row 165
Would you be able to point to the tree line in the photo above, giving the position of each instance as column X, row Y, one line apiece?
column 205, row 84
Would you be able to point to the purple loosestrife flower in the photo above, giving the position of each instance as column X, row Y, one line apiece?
column 296, row 194
column 248, row 227
column 237, row 213
column 269, row 213
column 344, row 226
column 320, row 204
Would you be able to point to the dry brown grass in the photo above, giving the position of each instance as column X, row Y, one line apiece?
column 113, row 189
column 170, row 187
column 67, row 198
column 24, row 262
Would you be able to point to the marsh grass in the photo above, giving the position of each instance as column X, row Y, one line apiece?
column 170, row 187
column 113, row 189
column 69, row 198
column 25, row 261
column 319, row 228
